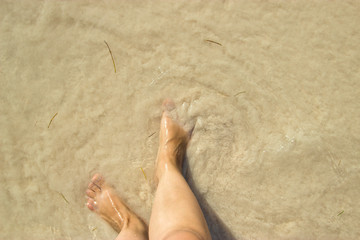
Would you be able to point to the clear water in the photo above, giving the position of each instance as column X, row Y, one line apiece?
column 272, row 88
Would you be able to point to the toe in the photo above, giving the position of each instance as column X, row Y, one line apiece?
column 94, row 187
column 168, row 105
column 98, row 179
column 91, row 204
column 169, row 114
column 90, row 193
column 96, row 183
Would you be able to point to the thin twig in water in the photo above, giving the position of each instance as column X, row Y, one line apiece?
column 52, row 119
column 211, row 41
column 340, row 212
column 339, row 162
column 94, row 229
column 151, row 134
column 239, row 93
column 143, row 173
column 111, row 55
column 64, row 197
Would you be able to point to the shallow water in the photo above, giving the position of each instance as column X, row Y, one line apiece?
column 275, row 104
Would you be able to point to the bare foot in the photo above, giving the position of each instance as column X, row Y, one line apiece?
column 104, row 201
column 173, row 141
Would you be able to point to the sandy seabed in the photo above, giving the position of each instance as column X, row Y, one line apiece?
column 273, row 89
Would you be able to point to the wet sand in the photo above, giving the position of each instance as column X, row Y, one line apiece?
column 272, row 88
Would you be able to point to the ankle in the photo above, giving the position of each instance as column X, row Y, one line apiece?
column 136, row 225
column 168, row 167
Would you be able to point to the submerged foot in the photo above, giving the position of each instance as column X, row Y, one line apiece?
column 104, row 201
column 173, row 141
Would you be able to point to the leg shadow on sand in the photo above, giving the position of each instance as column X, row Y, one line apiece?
column 218, row 230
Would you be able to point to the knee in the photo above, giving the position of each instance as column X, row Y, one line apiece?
column 183, row 235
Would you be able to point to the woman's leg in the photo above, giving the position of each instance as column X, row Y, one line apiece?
column 104, row 201
column 176, row 213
